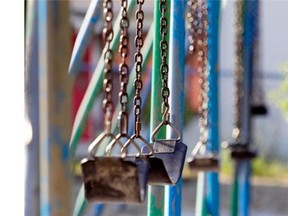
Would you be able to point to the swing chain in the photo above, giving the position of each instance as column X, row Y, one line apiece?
column 192, row 24
column 239, row 71
column 165, row 91
column 123, row 69
column 257, row 88
column 138, row 58
column 202, row 36
column 108, row 58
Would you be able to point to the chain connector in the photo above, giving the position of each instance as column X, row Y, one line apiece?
column 123, row 122
column 132, row 140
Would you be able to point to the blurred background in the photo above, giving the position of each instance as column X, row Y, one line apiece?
column 53, row 97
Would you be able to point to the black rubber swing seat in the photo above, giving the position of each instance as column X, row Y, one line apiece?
column 260, row 110
column 115, row 180
column 207, row 162
column 166, row 168
column 242, row 151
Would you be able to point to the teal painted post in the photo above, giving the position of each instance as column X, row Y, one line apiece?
column 212, row 179
column 173, row 194
column 156, row 193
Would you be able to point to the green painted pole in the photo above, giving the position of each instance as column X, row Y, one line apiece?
column 156, row 194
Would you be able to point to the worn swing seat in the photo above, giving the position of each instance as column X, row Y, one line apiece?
column 167, row 166
column 203, row 162
column 168, row 159
column 242, row 151
column 259, row 109
column 207, row 162
column 115, row 180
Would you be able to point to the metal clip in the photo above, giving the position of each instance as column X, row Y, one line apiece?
column 93, row 146
column 140, row 150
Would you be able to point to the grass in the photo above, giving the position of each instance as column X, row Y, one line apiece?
column 260, row 167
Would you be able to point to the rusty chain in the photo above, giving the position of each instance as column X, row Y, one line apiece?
column 108, row 59
column 197, row 26
column 239, row 70
column 192, row 23
column 123, row 69
column 164, row 69
column 138, row 58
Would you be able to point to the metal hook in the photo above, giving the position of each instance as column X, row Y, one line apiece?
column 111, row 145
column 97, row 141
column 131, row 140
column 123, row 131
column 165, row 123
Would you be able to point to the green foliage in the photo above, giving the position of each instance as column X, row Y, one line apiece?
column 280, row 95
column 266, row 168
column 260, row 167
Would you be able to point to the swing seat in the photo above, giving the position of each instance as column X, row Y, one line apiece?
column 260, row 109
column 207, row 162
column 167, row 162
column 242, row 151
column 115, row 180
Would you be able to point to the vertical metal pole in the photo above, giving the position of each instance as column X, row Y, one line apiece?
column 173, row 194
column 156, row 193
column 54, row 107
column 212, row 181
column 245, row 165
column 32, row 103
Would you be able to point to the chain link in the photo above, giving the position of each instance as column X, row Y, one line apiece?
column 257, row 87
column 192, row 23
column 108, row 58
column 165, row 91
column 202, row 36
column 138, row 59
column 123, row 68
column 197, row 16
column 239, row 71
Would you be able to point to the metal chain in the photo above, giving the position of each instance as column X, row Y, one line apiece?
column 108, row 58
column 197, row 17
column 258, row 93
column 138, row 58
column 192, row 23
column 202, row 37
column 239, row 71
column 165, row 91
column 123, row 68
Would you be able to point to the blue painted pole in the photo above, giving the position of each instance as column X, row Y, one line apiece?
column 84, row 35
column 43, row 94
column 212, row 180
column 245, row 165
column 173, row 194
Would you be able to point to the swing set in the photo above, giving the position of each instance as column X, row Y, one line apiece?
column 123, row 177
column 125, row 166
